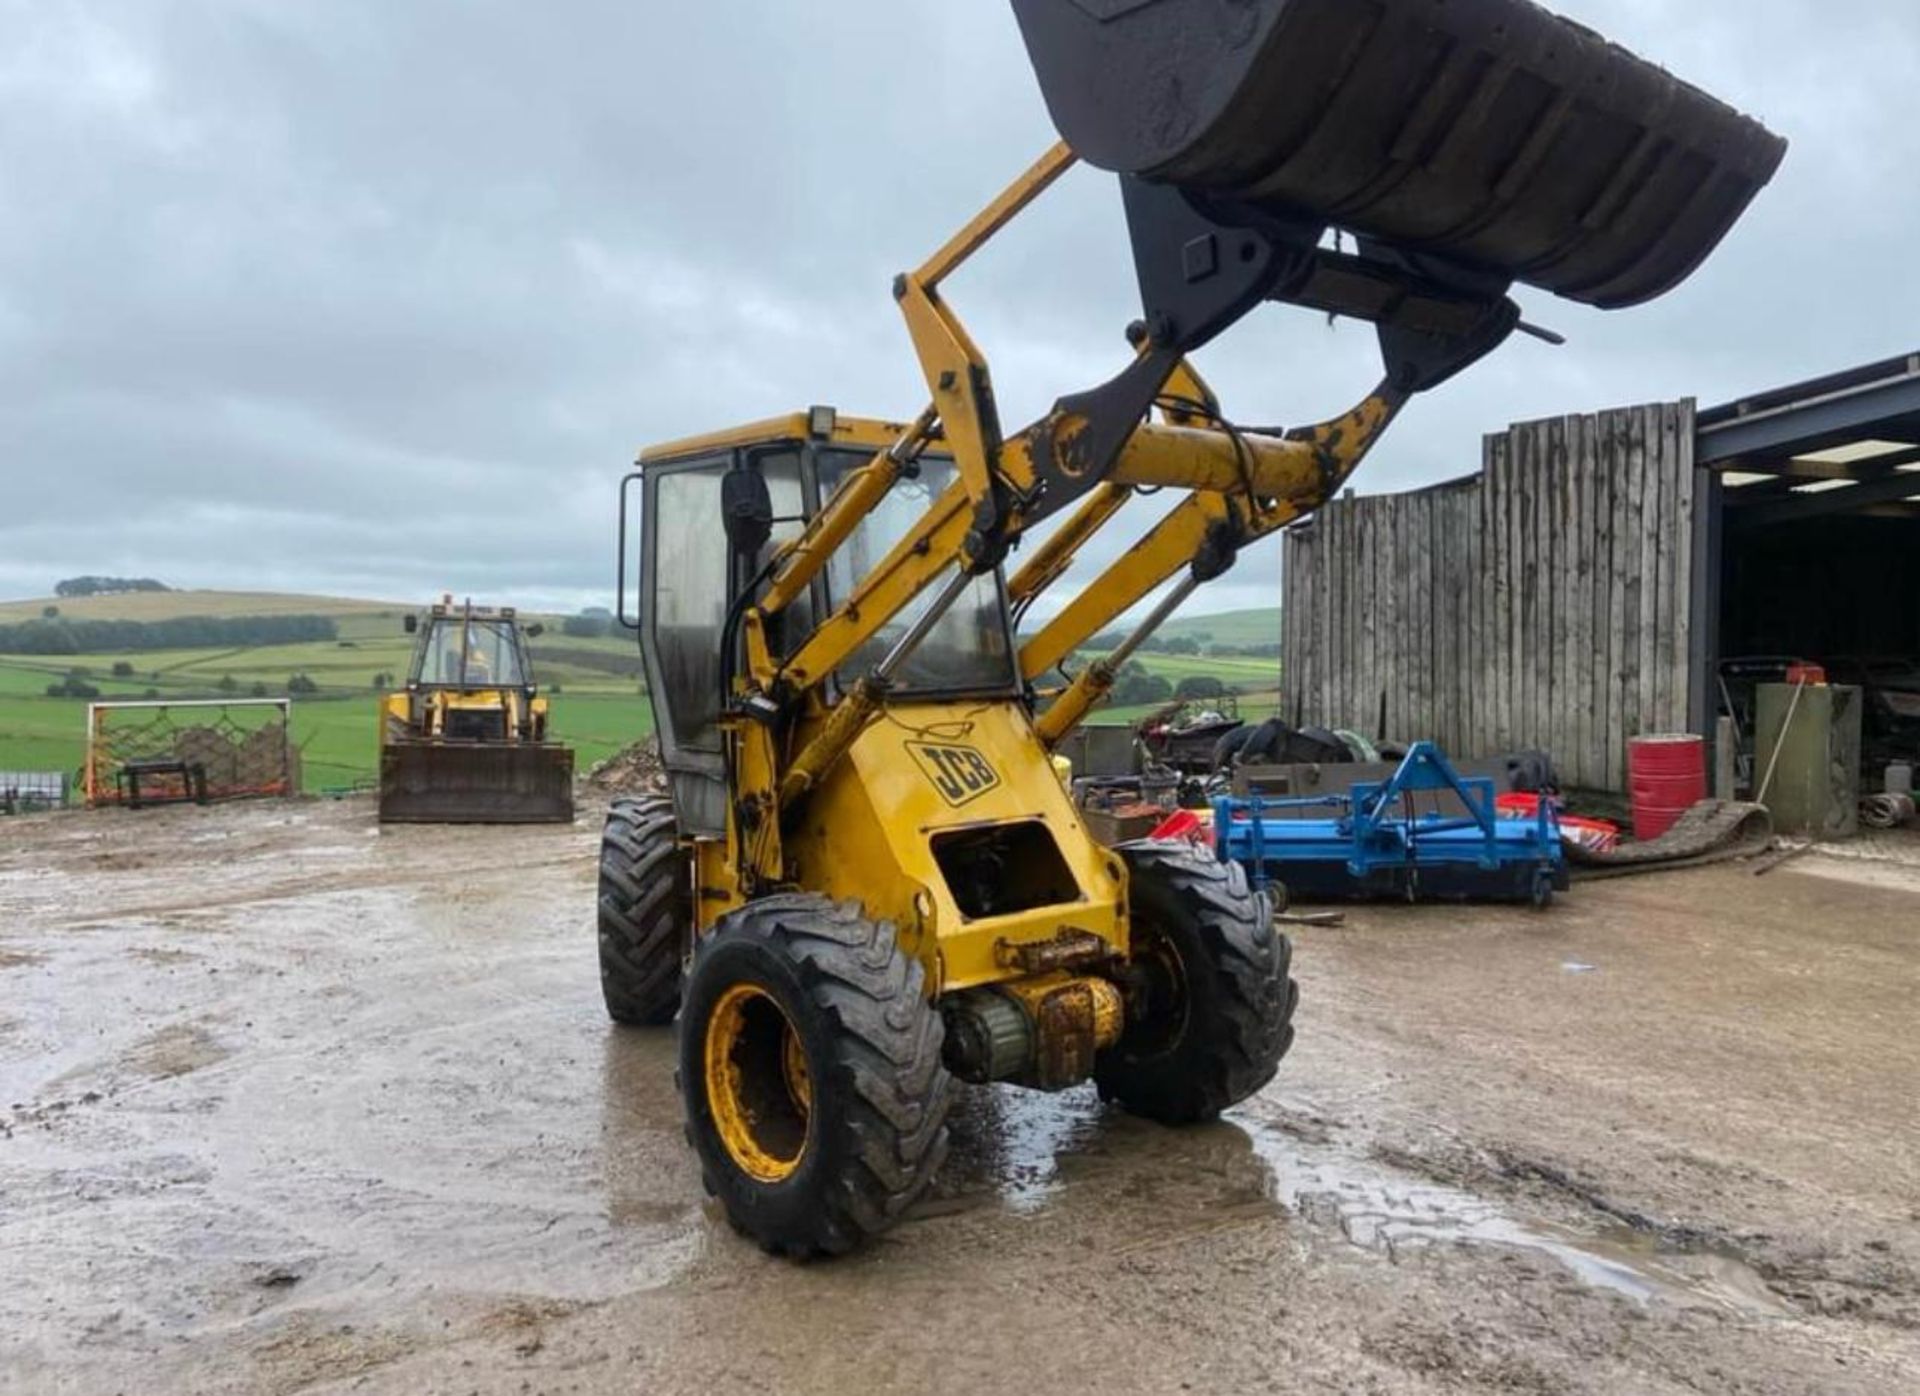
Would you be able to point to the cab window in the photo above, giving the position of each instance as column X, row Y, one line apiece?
column 969, row 648
column 687, row 562
column 463, row 653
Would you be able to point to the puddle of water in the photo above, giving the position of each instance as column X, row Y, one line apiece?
column 399, row 1123
column 1023, row 1151
column 1380, row 1209
column 1017, row 1139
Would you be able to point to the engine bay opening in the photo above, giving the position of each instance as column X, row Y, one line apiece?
column 1004, row 868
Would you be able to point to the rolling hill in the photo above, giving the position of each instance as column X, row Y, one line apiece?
column 598, row 702
column 1260, row 626
column 169, row 605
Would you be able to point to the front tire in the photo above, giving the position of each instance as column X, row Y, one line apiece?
column 810, row 1069
column 1213, row 1012
column 646, row 911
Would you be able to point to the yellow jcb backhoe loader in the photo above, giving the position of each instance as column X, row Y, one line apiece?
column 466, row 742
column 868, row 880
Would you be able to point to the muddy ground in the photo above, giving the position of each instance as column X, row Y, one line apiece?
column 290, row 1103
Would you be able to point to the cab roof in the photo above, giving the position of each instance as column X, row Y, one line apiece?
column 868, row 432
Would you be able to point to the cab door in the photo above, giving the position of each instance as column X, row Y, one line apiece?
column 689, row 580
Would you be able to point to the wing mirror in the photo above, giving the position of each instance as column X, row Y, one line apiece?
column 746, row 510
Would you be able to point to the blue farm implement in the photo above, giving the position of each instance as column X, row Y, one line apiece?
column 1379, row 841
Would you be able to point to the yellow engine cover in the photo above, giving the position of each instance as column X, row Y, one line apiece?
column 950, row 820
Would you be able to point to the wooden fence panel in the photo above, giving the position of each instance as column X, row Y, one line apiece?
column 1543, row 603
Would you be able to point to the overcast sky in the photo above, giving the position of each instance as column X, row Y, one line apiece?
column 379, row 297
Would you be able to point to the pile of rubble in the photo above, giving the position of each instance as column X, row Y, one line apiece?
column 634, row 769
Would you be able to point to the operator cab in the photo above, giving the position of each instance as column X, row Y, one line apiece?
column 468, row 650
column 691, row 578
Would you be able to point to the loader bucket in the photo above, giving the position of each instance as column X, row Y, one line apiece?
column 462, row 783
column 1489, row 133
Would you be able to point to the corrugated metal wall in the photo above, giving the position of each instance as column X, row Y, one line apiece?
column 1542, row 603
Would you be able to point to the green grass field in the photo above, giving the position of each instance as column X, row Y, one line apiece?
column 336, row 735
column 595, row 711
column 1255, row 627
column 1253, row 706
column 1234, row 673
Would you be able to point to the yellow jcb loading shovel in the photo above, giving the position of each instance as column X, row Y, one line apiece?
column 868, row 881
column 465, row 742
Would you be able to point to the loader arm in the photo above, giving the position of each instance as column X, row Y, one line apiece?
column 1098, row 442
column 1094, row 448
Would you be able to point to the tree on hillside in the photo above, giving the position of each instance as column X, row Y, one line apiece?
column 1200, row 686
column 228, row 683
column 38, row 637
column 122, row 669
column 593, row 623
column 59, row 635
column 1136, row 686
column 105, row 586
column 1245, row 651
column 49, row 612
column 300, row 684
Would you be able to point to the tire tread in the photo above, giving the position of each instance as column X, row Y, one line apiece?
column 1249, row 966
column 645, row 911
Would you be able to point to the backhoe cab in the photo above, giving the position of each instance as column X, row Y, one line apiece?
column 869, row 880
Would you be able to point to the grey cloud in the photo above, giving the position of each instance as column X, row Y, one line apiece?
column 379, row 297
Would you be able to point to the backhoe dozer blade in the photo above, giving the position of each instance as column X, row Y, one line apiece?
column 1490, row 133
column 475, row 783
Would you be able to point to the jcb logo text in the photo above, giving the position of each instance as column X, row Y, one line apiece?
column 959, row 773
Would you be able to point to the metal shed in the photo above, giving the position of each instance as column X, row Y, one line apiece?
column 1585, row 584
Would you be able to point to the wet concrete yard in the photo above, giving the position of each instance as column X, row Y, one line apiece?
column 289, row 1103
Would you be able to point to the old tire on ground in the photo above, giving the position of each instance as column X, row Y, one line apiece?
column 646, row 911
column 1215, row 1014
column 809, row 1063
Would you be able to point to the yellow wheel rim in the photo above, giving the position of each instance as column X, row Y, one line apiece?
column 759, row 1089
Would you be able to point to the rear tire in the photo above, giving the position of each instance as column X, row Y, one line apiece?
column 646, row 911
column 811, row 1073
column 1216, row 1015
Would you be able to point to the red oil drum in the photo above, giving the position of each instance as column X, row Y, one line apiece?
column 1666, row 776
